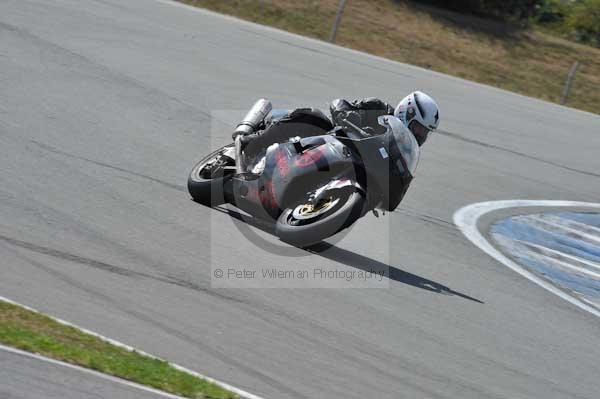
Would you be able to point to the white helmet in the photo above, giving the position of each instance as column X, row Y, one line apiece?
column 419, row 113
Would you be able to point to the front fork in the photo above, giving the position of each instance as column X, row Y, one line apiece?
column 239, row 156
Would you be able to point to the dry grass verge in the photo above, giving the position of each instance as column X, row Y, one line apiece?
column 527, row 62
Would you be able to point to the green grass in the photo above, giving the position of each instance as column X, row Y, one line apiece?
column 34, row 332
column 530, row 62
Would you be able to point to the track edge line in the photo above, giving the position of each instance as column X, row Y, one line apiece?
column 88, row 371
column 243, row 394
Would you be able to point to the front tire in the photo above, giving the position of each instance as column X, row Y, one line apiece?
column 303, row 227
column 206, row 187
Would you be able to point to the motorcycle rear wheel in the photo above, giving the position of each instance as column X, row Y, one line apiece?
column 206, row 186
column 304, row 224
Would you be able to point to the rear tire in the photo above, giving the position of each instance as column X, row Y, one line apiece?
column 306, row 232
column 207, row 188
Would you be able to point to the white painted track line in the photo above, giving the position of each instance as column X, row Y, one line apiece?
column 88, row 371
column 559, row 253
column 558, row 226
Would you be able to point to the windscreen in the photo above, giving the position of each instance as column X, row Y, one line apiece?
column 406, row 142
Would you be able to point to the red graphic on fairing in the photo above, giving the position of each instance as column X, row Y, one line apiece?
column 252, row 194
column 267, row 195
column 282, row 163
column 310, row 157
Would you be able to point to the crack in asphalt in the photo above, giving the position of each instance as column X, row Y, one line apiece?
column 105, row 165
column 521, row 154
column 118, row 76
column 426, row 218
column 122, row 271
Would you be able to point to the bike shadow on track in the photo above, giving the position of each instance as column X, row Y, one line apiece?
column 362, row 262
column 353, row 259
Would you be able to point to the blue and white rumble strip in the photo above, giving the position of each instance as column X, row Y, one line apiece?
column 563, row 247
column 557, row 249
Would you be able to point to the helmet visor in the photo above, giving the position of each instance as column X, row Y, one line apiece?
column 419, row 131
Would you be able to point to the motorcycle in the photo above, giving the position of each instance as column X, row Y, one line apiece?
column 309, row 178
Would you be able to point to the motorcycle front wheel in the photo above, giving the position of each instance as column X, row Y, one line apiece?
column 206, row 179
column 305, row 223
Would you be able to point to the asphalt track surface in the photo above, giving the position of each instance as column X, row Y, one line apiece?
column 24, row 377
column 104, row 107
